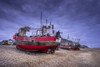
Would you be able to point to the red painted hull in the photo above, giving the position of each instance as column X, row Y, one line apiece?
column 35, row 48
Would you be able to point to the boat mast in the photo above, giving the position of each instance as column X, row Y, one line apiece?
column 41, row 20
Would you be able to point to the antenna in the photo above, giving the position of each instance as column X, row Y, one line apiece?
column 46, row 21
column 68, row 36
column 50, row 23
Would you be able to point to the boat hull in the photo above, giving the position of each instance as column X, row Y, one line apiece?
column 44, row 44
column 34, row 48
column 69, row 47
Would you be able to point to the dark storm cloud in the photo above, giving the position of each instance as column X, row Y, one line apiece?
column 79, row 18
column 81, row 9
column 74, row 9
column 31, row 6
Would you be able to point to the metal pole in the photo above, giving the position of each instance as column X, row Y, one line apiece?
column 41, row 19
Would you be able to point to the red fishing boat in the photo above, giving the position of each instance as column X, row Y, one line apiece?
column 45, row 39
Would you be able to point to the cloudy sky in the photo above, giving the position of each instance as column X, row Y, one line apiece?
column 78, row 18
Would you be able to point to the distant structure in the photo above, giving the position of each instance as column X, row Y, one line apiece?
column 7, row 42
